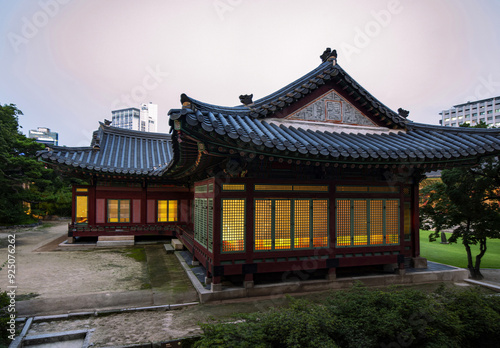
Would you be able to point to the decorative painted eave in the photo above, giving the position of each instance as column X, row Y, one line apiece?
column 115, row 151
column 334, row 143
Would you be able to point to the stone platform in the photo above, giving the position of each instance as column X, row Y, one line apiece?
column 435, row 272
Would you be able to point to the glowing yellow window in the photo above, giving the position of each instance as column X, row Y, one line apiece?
column 320, row 223
column 233, row 225
column 377, row 222
column 263, row 224
column 167, row 210
column 118, row 210
column 282, row 238
column 343, row 222
column 392, row 221
column 301, row 224
column 81, row 209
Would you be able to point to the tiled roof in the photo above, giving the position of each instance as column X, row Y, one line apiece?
column 330, row 142
column 116, row 151
column 326, row 73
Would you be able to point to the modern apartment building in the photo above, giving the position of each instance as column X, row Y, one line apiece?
column 143, row 119
column 44, row 135
column 486, row 110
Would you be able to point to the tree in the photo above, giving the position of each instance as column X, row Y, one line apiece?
column 21, row 174
column 466, row 201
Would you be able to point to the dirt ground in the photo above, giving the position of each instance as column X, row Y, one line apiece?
column 142, row 275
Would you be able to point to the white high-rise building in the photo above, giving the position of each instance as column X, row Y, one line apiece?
column 149, row 117
column 143, row 119
column 486, row 110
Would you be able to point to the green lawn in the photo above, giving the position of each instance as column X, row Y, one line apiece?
column 455, row 254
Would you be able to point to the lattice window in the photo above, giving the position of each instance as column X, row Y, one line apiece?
column 233, row 187
column 406, row 191
column 391, row 221
column 376, row 222
column 210, row 225
column 360, row 223
column 385, row 189
column 407, row 221
column 282, row 221
column 200, row 189
column 374, row 189
column 118, row 210
column 81, row 209
column 273, row 187
column 343, row 222
column 201, row 220
column 167, row 210
column 301, row 224
column 233, row 225
column 82, row 189
column 310, row 188
column 320, row 223
column 274, row 229
column 197, row 218
column 367, row 222
column 352, row 189
column 263, row 224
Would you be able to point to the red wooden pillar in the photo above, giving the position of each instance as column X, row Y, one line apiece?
column 415, row 221
column 401, row 220
column 91, row 213
column 144, row 202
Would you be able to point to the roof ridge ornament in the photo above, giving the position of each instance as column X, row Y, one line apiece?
column 403, row 113
column 185, row 101
column 329, row 55
column 246, row 99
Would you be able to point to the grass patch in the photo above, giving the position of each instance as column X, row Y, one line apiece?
column 455, row 254
column 138, row 254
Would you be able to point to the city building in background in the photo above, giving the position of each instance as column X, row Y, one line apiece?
column 486, row 110
column 143, row 119
column 44, row 135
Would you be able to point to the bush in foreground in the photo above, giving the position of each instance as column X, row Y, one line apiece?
column 362, row 317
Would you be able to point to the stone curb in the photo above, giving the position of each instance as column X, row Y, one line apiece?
column 108, row 311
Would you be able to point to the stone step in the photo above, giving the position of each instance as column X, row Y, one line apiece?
column 177, row 244
column 115, row 238
column 169, row 248
column 108, row 243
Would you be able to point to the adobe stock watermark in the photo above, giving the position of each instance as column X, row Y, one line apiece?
column 486, row 88
column 364, row 36
column 224, row 6
column 30, row 27
column 152, row 80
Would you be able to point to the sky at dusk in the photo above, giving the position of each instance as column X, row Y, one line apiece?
column 67, row 63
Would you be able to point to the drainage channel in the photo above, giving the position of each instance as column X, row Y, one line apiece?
column 76, row 338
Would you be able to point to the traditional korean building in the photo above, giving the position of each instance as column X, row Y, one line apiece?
column 318, row 175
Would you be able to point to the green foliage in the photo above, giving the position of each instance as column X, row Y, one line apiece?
column 303, row 324
column 466, row 201
column 453, row 254
column 362, row 317
column 479, row 316
column 29, row 189
column 4, row 319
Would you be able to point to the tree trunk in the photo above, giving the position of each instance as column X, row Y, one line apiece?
column 470, row 263
column 482, row 251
